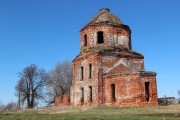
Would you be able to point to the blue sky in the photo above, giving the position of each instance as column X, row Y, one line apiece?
column 45, row 32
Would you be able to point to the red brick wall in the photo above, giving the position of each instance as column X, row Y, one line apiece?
column 112, row 63
column 78, row 84
column 111, row 34
column 129, row 90
column 129, row 85
column 57, row 102
column 66, row 100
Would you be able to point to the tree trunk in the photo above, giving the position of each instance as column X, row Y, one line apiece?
column 19, row 98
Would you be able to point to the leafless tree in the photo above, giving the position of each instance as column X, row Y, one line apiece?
column 178, row 93
column 1, row 107
column 60, row 81
column 12, row 106
column 30, row 87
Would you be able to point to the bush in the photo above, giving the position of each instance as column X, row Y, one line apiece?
column 9, row 107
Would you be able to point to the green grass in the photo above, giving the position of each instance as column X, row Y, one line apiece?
column 98, row 113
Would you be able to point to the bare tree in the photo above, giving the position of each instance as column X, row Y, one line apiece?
column 10, row 107
column 1, row 107
column 178, row 93
column 30, row 86
column 60, row 80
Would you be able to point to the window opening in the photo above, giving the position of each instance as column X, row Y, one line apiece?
column 90, row 70
column 82, row 73
column 82, row 95
column 147, row 91
column 90, row 93
column 85, row 40
column 113, row 92
column 100, row 37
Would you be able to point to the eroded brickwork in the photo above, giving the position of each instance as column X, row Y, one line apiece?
column 116, row 36
column 107, row 71
column 65, row 100
column 57, row 101
column 130, row 90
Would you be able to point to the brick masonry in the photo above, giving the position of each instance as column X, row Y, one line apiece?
column 107, row 71
column 64, row 101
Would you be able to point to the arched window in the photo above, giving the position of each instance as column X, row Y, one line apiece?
column 85, row 40
column 100, row 37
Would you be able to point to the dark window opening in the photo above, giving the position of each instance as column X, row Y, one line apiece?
column 90, row 70
column 100, row 37
column 90, row 93
column 113, row 92
column 85, row 40
column 82, row 73
column 82, row 95
column 147, row 91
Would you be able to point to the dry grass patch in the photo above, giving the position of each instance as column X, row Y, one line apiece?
column 98, row 113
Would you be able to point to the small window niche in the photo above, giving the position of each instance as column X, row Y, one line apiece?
column 82, row 73
column 147, row 91
column 82, row 95
column 113, row 94
column 85, row 40
column 100, row 37
column 90, row 94
column 90, row 70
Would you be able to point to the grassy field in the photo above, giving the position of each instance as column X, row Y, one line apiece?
column 98, row 113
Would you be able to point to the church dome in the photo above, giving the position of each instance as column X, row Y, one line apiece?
column 104, row 31
column 104, row 17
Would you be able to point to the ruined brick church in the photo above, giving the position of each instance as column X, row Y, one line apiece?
column 107, row 71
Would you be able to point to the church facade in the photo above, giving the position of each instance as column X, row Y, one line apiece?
column 107, row 71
